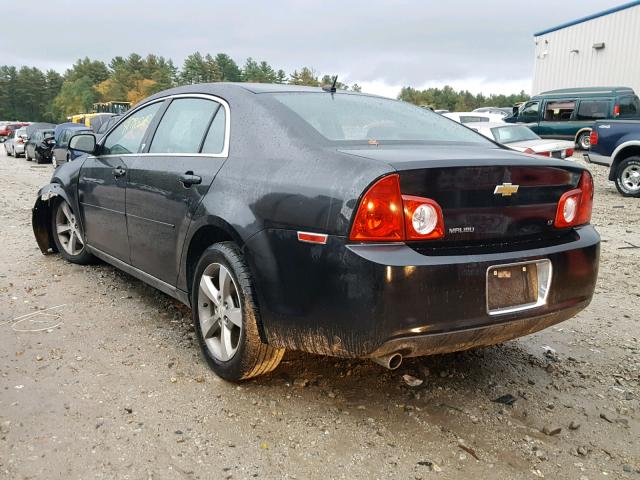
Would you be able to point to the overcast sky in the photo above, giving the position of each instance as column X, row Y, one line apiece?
column 482, row 46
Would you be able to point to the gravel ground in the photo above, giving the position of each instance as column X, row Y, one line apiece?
column 109, row 383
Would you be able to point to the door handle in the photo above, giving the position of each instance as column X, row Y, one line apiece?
column 188, row 178
column 118, row 172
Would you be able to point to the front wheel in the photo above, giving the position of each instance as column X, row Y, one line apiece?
column 26, row 155
column 583, row 141
column 225, row 314
column 67, row 235
column 628, row 177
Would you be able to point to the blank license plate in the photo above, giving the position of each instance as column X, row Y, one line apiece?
column 510, row 286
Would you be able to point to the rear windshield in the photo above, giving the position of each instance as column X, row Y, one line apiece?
column 343, row 117
column 515, row 133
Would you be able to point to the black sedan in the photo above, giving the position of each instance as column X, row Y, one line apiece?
column 330, row 222
column 39, row 147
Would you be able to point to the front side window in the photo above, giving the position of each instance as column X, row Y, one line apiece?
column 361, row 118
column 127, row 137
column 530, row 109
column 183, row 126
column 593, row 109
column 559, row 111
column 629, row 106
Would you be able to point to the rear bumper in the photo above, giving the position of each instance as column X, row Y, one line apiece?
column 598, row 159
column 368, row 300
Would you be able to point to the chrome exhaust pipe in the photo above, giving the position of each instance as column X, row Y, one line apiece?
column 391, row 361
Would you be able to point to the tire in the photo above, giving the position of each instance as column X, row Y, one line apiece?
column 628, row 177
column 38, row 158
column 54, row 162
column 26, row 155
column 8, row 153
column 250, row 357
column 61, row 215
column 582, row 141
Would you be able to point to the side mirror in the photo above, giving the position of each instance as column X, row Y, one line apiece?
column 83, row 142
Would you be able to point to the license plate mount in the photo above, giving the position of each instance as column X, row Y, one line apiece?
column 514, row 287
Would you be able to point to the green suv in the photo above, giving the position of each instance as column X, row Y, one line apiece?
column 570, row 113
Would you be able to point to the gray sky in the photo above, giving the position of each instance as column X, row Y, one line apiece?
column 382, row 45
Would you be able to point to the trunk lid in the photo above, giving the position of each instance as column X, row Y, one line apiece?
column 475, row 188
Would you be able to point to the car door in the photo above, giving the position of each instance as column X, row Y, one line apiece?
column 103, row 180
column 558, row 119
column 167, row 183
column 528, row 114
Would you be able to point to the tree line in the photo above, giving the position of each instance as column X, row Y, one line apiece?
column 28, row 93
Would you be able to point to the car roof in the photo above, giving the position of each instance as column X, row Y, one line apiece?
column 586, row 91
column 492, row 124
column 231, row 89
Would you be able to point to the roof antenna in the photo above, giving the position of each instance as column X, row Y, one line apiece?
column 332, row 88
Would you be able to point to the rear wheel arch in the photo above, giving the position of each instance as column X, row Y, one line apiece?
column 581, row 132
column 203, row 238
column 620, row 156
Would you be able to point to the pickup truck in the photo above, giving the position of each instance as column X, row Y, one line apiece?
column 616, row 144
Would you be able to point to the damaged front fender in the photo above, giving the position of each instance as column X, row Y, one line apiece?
column 41, row 217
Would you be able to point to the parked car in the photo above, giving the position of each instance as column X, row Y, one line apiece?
column 616, row 144
column 31, row 129
column 39, row 146
column 522, row 138
column 569, row 114
column 473, row 117
column 7, row 128
column 336, row 223
column 62, row 133
column 502, row 111
column 14, row 144
column 99, row 119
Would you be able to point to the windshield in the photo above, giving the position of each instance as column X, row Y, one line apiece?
column 513, row 133
column 342, row 117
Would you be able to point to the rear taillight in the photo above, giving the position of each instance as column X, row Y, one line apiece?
column 529, row 150
column 574, row 207
column 616, row 110
column 593, row 138
column 19, row 140
column 385, row 215
column 569, row 152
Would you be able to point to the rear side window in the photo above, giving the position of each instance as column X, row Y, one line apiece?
column 472, row 119
column 593, row 109
column 629, row 106
column 127, row 137
column 214, row 143
column 559, row 111
column 183, row 126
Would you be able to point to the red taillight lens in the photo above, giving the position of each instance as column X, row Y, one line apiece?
column 379, row 216
column 529, row 150
column 385, row 215
column 574, row 207
column 593, row 138
column 616, row 110
column 569, row 152
column 423, row 218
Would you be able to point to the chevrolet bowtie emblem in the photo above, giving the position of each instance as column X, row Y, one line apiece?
column 506, row 189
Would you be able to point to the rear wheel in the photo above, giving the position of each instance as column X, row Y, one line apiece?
column 628, row 177
column 225, row 316
column 9, row 154
column 38, row 157
column 583, row 141
column 26, row 155
column 67, row 235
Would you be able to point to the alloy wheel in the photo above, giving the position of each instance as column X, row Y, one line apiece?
column 68, row 230
column 630, row 178
column 219, row 312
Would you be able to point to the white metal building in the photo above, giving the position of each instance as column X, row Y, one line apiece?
column 599, row 50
